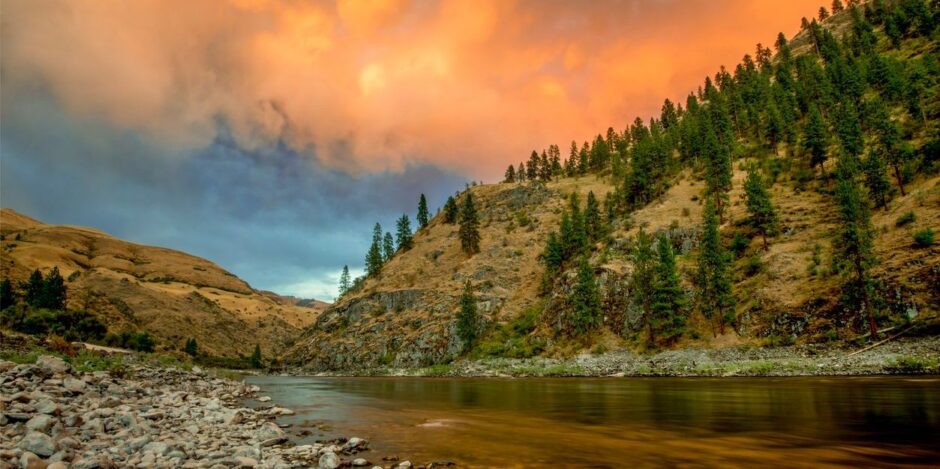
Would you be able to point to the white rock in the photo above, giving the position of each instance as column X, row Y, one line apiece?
column 264, row 399
column 404, row 465
column 40, row 423
column 52, row 364
column 360, row 462
column 328, row 460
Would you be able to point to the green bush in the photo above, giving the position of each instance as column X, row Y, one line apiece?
column 70, row 324
column 753, row 266
column 139, row 341
column 739, row 243
column 905, row 219
column 924, row 238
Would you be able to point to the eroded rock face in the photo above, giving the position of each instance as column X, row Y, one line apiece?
column 54, row 417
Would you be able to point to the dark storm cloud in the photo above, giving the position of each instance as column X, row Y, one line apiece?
column 273, row 216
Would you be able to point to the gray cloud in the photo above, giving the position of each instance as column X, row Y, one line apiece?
column 271, row 215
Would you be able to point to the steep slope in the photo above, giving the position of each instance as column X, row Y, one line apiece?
column 173, row 295
column 406, row 316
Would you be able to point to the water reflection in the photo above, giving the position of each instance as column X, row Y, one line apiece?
column 612, row 422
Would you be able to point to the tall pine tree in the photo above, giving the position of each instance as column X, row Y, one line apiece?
column 467, row 319
column 669, row 301
column 450, row 211
column 716, row 300
column 344, row 281
column 423, row 214
column 585, row 300
column 469, row 231
column 374, row 258
column 761, row 213
column 403, row 236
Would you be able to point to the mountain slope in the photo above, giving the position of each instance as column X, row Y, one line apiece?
column 870, row 90
column 132, row 287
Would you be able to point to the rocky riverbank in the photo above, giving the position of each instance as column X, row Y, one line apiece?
column 919, row 355
column 54, row 417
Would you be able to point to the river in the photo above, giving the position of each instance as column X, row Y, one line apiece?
column 623, row 422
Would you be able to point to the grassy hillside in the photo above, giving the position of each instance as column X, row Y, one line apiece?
column 134, row 288
column 864, row 78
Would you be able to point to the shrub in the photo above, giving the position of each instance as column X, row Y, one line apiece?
column 924, row 238
column 739, row 243
column 139, row 341
column 753, row 266
column 71, row 325
column 905, row 219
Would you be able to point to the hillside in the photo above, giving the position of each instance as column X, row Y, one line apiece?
column 844, row 111
column 172, row 295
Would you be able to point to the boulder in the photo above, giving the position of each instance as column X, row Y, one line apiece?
column 52, row 364
column 328, row 460
column 38, row 443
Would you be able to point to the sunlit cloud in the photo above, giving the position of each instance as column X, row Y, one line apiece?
column 371, row 85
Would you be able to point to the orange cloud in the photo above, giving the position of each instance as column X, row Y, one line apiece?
column 470, row 84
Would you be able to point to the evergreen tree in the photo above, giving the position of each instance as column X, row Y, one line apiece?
column 344, row 281
column 7, row 295
column 573, row 160
column 191, row 348
column 823, row 13
column 879, row 187
column 554, row 257
column 451, row 210
column 520, row 172
column 585, row 301
column 669, row 301
column 545, row 168
column 468, row 321
column 854, row 254
column 532, row 166
column 374, row 258
column 469, row 231
column 593, row 224
column 762, row 215
column 423, row 215
column 510, row 174
column 837, row 6
column 53, row 291
column 815, row 138
column 774, row 126
column 388, row 246
column 34, row 289
column 718, row 172
column 644, row 271
column 849, row 130
column 255, row 360
column 716, row 300
column 403, row 233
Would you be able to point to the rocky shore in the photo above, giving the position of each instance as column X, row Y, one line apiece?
column 53, row 417
column 917, row 355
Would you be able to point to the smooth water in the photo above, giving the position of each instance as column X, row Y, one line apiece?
column 620, row 422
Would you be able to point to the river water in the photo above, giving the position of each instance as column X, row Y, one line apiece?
column 623, row 422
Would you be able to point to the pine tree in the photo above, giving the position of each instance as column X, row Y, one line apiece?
column 837, row 6
column 823, row 13
column 718, row 172
column 403, row 233
column 520, row 172
column 774, row 126
column 585, row 301
column 716, row 300
column 879, row 187
column 469, row 227
column 553, row 256
column 510, row 174
column 762, row 215
column 423, row 215
column 644, row 271
column 53, row 291
column 815, row 138
column 669, row 301
column 34, row 289
column 374, row 258
column 344, row 281
column 451, row 211
column 388, row 246
column 7, row 295
column 191, row 348
column 532, row 166
column 854, row 254
column 468, row 321
column 849, row 130
column 255, row 360
column 593, row 225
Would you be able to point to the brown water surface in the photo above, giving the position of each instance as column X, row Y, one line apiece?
column 621, row 422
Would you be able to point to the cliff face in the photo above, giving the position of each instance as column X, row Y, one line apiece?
column 173, row 295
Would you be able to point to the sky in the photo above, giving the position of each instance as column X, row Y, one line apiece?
column 270, row 135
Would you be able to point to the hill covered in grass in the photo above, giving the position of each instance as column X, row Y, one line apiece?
column 132, row 288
